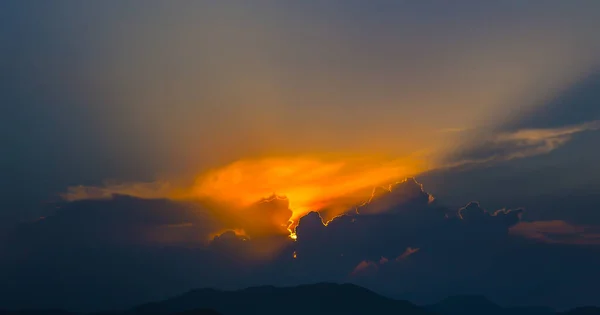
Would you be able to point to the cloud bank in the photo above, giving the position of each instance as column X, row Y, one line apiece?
column 401, row 242
column 331, row 185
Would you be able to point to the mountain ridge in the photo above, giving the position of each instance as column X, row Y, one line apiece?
column 319, row 298
column 327, row 298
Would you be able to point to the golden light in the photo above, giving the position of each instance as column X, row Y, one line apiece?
column 237, row 232
column 310, row 184
column 241, row 189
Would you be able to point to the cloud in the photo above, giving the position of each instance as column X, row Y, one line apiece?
column 367, row 267
column 556, row 177
column 364, row 266
column 294, row 185
column 396, row 197
column 121, row 220
column 536, row 130
column 439, row 251
column 523, row 143
column 113, row 253
column 397, row 228
column 409, row 251
column 400, row 241
column 473, row 212
column 557, row 231
column 146, row 190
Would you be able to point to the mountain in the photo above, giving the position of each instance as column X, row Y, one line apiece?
column 36, row 312
column 324, row 298
column 464, row 305
column 476, row 305
column 591, row 310
column 59, row 312
column 199, row 312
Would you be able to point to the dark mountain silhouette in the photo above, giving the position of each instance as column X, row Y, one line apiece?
column 199, row 312
column 36, row 312
column 475, row 305
column 591, row 310
column 324, row 298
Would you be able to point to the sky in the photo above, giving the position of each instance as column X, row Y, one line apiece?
column 195, row 138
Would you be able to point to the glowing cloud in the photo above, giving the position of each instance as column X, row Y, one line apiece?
column 297, row 185
column 308, row 183
column 519, row 144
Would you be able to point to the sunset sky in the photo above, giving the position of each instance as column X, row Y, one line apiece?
column 177, row 130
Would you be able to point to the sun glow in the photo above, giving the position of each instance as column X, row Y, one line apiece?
column 237, row 232
column 309, row 184
column 296, row 186
column 293, row 234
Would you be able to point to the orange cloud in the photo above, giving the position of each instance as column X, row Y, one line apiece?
column 363, row 267
column 309, row 184
column 237, row 232
column 366, row 266
column 409, row 251
column 303, row 184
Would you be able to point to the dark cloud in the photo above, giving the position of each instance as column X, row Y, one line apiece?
column 543, row 159
column 121, row 251
column 396, row 198
column 426, row 252
column 119, row 220
column 352, row 238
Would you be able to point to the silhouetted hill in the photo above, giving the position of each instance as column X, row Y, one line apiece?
column 321, row 298
column 476, row 305
column 199, row 312
column 591, row 310
column 59, row 312
column 465, row 304
column 36, row 312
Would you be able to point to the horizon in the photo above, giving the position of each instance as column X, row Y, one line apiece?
column 467, row 302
